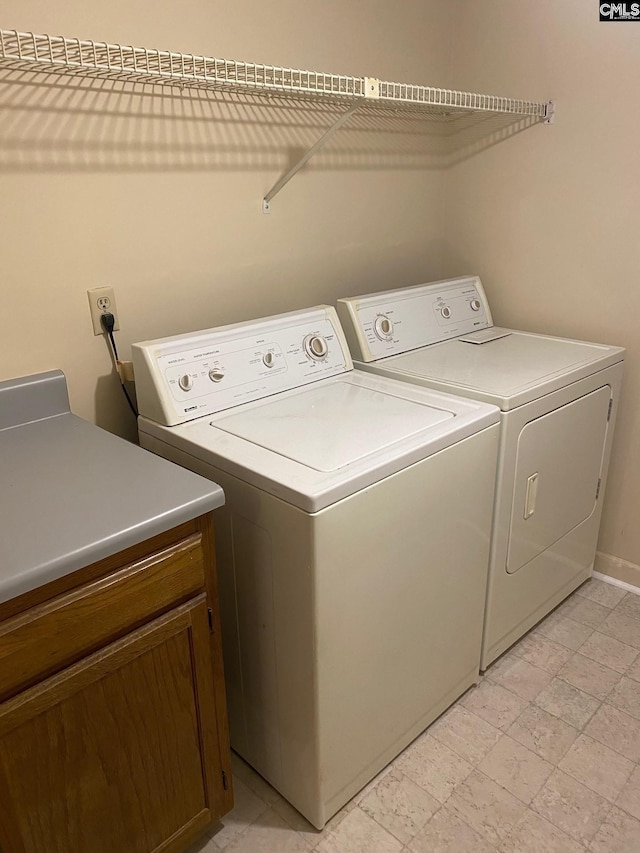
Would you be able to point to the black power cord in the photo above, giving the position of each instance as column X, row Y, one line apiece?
column 108, row 321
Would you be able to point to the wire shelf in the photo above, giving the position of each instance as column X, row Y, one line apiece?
column 70, row 56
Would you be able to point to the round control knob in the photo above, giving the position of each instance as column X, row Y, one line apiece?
column 216, row 375
column 316, row 347
column 475, row 304
column 186, row 382
column 446, row 312
column 268, row 359
column 383, row 327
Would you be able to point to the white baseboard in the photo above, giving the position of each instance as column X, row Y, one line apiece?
column 616, row 571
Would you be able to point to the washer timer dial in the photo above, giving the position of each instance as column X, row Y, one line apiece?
column 315, row 347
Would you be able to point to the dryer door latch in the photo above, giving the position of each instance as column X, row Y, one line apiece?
column 532, row 493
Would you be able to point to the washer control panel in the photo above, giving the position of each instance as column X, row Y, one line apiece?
column 188, row 376
column 395, row 321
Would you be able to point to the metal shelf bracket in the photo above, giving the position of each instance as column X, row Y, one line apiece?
column 326, row 136
column 550, row 112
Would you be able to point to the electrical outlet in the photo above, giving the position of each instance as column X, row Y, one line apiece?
column 102, row 300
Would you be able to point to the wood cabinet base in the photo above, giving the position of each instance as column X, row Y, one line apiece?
column 125, row 749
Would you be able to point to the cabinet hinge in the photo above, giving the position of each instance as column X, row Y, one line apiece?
column 610, row 407
column 225, row 782
column 210, row 616
column 598, row 487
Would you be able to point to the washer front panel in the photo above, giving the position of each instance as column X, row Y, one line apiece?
column 188, row 376
column 383, row 324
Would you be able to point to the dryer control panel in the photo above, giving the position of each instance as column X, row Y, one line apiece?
column 188, row 376
column 381, row 324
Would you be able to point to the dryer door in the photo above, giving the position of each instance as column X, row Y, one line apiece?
column 558, row 464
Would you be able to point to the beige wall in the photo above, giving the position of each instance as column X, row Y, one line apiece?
column 550, row 218
column 159, row 194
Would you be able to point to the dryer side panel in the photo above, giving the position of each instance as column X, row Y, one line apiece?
column 558, row 468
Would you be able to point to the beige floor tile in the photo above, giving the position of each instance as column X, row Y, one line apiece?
column 629, row 798
column 543, row 733
column 589, row 675
column 358, row 833
column 598, row 767
column 630, row 605
column 609, row 652
column 620, row 833
column 247, row 808
column 447, row 833
column 300, row 824
column 494, row 703
column 617, row 730
column 534, row 834
column 564, row 630
column 567, row 702
column 584, row 610
column 519, row 676
column 399, row 805
column 542, row 652
column 623, row 628
column 634, row 670
column 486, row 807
column 465, row 733
column 261, row 788
column 204, row 845
column 626, row 695
column 572, row 807
column 601, row 592
column 516, row 768
column 433, row 766
column 268, row 833
column 372, row 784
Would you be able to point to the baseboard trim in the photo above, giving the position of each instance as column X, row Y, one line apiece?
column 616, row 571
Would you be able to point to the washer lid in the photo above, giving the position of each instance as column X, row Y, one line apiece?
column 508, row 370
column 331, row 425
column 316, row 445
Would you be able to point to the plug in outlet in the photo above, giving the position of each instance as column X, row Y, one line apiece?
column 102, row 300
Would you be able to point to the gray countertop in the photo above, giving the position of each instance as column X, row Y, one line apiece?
column 72, row 494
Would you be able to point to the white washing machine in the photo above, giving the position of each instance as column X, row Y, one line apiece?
column 558, row 399
column 352, row 549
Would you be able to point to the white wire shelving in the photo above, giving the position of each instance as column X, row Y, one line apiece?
column 23, row 51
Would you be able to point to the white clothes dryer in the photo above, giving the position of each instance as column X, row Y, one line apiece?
column 558, row 399
column 352, row 550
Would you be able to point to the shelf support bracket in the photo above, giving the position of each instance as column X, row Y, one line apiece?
column 326, row 136
column 550, row 113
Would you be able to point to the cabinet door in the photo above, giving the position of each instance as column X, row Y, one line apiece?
column 119, row 751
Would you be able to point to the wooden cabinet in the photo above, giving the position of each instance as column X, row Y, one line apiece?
column 113, row 729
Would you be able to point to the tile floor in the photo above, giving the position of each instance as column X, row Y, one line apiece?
column 542, row 756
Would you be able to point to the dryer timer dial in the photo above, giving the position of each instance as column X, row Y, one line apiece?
column 383, row 327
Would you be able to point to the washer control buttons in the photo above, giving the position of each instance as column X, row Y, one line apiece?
column 475, row 304
column 186, row 382
column 216, row 375
column 445, row 311
column 383, row 327
column 268, row 359
column 315, row 346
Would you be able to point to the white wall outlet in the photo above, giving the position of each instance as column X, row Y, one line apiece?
column 102, row 300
